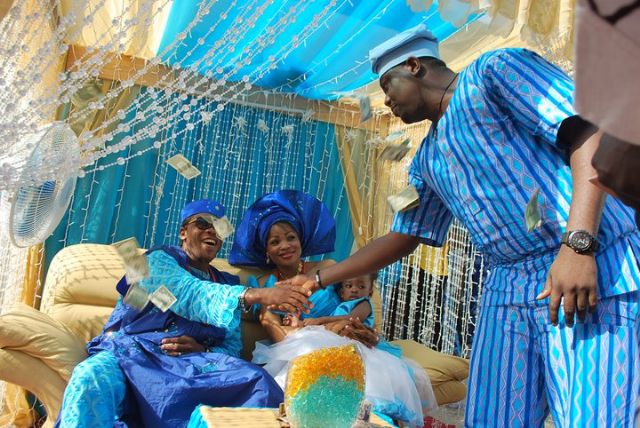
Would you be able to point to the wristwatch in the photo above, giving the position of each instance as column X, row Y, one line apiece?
column 580, row 241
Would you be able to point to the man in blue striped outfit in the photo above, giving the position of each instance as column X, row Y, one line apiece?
column 504, row 132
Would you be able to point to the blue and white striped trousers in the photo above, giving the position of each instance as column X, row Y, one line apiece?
column 522, row 367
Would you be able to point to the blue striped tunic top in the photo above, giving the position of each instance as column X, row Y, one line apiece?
column 494, row 147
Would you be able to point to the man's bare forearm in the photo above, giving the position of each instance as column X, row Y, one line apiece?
column 328, row 319
column 371, row 258
column 587, row 199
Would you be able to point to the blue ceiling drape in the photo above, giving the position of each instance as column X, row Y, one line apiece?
column 332, row 59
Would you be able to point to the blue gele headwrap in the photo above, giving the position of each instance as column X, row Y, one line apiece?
column 202, row 206
column 310, row 218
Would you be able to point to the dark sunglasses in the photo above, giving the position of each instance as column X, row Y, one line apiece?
column 201, row 223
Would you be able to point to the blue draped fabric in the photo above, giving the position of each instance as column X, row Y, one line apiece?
column 324, row 60
column 143, row 197
column 347, row 306
column 310, row 218
column 133, row 337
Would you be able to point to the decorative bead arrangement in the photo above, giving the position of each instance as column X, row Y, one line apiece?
column 325, row 388
column 221, row 84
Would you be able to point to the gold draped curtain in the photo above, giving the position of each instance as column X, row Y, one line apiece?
column 143, row 41
column 369, row 181
column 109, row 17
column 16, row 410
column 546, row 26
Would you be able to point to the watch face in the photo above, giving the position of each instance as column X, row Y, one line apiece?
column 580, row 241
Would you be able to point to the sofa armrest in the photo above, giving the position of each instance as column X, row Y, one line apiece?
column 446, row 372
column 34, row 333
column 38, row 353
column 32, row 374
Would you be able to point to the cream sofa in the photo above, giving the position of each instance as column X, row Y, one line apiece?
column 39, row 349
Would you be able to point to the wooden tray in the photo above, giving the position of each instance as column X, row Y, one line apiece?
column 239, row 417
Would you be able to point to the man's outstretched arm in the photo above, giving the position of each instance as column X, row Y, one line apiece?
column 370, row 258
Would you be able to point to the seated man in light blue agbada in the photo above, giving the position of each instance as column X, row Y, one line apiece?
column 152, row 368
column 505, row 141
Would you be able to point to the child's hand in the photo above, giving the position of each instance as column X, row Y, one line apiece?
column 292, row 320
column 356, row 330
column 311, row 321
column 296, row 322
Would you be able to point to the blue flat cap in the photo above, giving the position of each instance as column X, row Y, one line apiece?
column 416, row 41
column 202, row 206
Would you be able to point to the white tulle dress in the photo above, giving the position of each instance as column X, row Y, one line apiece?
column 396, row 386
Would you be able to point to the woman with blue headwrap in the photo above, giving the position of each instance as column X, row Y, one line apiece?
column 152, row 368
column 276, row 232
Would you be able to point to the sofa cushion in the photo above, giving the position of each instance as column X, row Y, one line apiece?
column 446, row 372
column 83, row 274
column 25, row 329
column 252, row 331
column 80, row 291
column 242, row 271
column 440, row 367
column 453, row 391
column 85, row 321
column 87, row 274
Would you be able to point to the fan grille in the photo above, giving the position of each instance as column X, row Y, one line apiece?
column 46, row 185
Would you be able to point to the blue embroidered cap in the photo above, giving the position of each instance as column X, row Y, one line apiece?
column 202, row 206
column 416, row 41
column 311, row 219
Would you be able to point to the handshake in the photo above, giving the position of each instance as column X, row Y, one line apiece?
column 291, row 296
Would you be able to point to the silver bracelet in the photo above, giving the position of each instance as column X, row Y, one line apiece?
column 318, row 280
column 242, row 302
